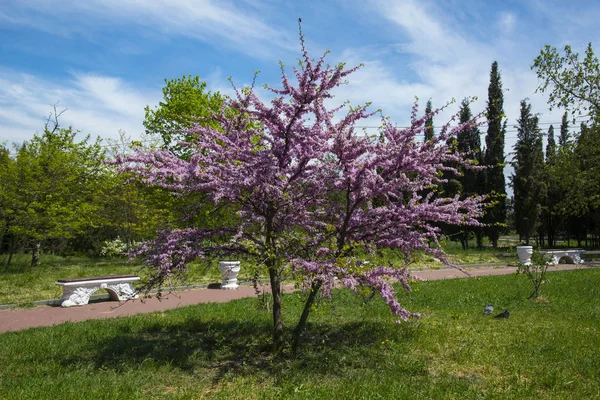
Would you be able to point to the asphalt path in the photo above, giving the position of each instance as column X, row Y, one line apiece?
column 18, row 319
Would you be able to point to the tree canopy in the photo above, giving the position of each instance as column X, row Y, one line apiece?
column 53, row 183
column 571, row 83
column 528, row 180
column 494, row 156
column 304, row 188
column 186, row 102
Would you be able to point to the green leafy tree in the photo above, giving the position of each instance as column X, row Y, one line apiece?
column 571, row 83
column 56, row 187
column 186, row 102
column 495, row 184
column 5, row 190
column 132, row 211
column 587, row 160
column 527, row 182
column 8, row 183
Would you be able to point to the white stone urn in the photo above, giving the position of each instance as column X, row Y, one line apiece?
column 524, row 253
column 229, row 272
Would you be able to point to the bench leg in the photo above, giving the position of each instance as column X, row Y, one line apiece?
column 121, row 291
column 77, row 296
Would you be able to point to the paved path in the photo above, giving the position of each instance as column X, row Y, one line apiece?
column 17, row 319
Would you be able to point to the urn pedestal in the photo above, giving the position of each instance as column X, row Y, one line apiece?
column 229, row 272
column 524, row 253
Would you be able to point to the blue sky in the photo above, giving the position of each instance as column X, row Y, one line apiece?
column 104, row 60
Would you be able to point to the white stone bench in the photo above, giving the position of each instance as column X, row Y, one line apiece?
column 572, row 256
column 77, row 292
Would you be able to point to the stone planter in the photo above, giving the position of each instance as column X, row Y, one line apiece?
column 524, row 253
column 229, row 272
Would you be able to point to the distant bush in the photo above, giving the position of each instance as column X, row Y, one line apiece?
column 536, row 271
column 115, row 248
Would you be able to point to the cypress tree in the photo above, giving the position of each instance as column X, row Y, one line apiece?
column 429, row 132
column 565, row 137
column 471, row 182
column 550, row 146
column 469, row 141
column 527, row 181
column 494, row 157
column 550, row 217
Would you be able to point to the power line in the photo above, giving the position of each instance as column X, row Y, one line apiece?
column 478, row 126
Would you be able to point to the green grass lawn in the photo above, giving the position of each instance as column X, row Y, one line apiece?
column 549, row 348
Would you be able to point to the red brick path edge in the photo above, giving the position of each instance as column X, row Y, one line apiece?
column 18, row 319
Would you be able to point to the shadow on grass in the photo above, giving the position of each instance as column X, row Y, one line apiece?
column 223, row 350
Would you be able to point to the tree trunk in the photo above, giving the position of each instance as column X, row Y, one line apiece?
column 10, row 256
column 277, row 321
column 11, row 251
column 479, row 235
column 314, row 290
column 464, row 240
column 35, row 254
column 4, row 231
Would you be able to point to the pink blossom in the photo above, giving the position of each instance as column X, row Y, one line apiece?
column 310, row 193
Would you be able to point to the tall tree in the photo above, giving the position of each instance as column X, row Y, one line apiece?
column 186, row 102
column 551, row 218
column 469, row 143
column 550, row 146
column 527, row 181
column 429, row 130
column 8, row 184
column 573, row 83
column 472, row 181
column 58, row 179
column 586, row 154
column 302, row 186
column 494, row 157
column 564, row 139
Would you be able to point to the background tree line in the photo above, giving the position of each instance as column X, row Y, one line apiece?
column 58, row 193
column 556, row 189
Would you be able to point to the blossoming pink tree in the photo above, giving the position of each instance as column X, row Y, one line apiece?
column 313, row 196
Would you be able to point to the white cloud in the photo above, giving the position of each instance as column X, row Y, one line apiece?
column 110, row 94
column 206, row 20
column 447, row 63
column 440, row 63
column 427, row 36
column 507, row 22
column 95, row 104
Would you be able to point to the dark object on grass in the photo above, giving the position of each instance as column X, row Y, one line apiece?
column 505, row 314
column 488, row 309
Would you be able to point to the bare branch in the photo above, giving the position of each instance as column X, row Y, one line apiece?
column 52, row 119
